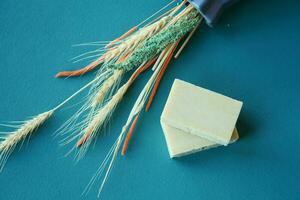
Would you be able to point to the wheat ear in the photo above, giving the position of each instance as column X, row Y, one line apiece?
column 99, row 119
column 127, row 45
column 106, row 86
column 136, row 38
column 104, row 113
column 23, row 132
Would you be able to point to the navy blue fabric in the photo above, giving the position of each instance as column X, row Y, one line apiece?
column 211, row 9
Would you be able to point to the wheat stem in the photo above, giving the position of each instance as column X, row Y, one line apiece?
column 156, row 13
column 78, row 91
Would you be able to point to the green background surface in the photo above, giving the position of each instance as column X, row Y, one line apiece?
column 251, row 55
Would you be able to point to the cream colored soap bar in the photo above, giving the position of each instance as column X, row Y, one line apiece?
column 196, row 119
column 181, row 143
column 201, row 112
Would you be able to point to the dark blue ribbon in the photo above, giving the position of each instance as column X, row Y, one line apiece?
column 211, row 9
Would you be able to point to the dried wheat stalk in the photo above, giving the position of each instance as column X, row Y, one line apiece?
column 24, row 131
column 109, row 160
column 28, row 127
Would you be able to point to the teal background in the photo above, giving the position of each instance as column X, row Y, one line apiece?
column 251, row 55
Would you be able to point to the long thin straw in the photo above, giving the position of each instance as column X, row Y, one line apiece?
column 125, row 35
column 154, row 14
column 129, row 134
column 160, row 75
column 79, row 91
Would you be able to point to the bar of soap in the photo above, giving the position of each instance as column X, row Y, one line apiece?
column 181, row 143
column 195, row 118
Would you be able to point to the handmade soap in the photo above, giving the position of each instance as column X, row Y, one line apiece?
column 195, row 118
column 181, row 143
column 201, row 112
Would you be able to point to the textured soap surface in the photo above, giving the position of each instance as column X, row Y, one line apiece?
column 181, row 143
column 201, row 112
